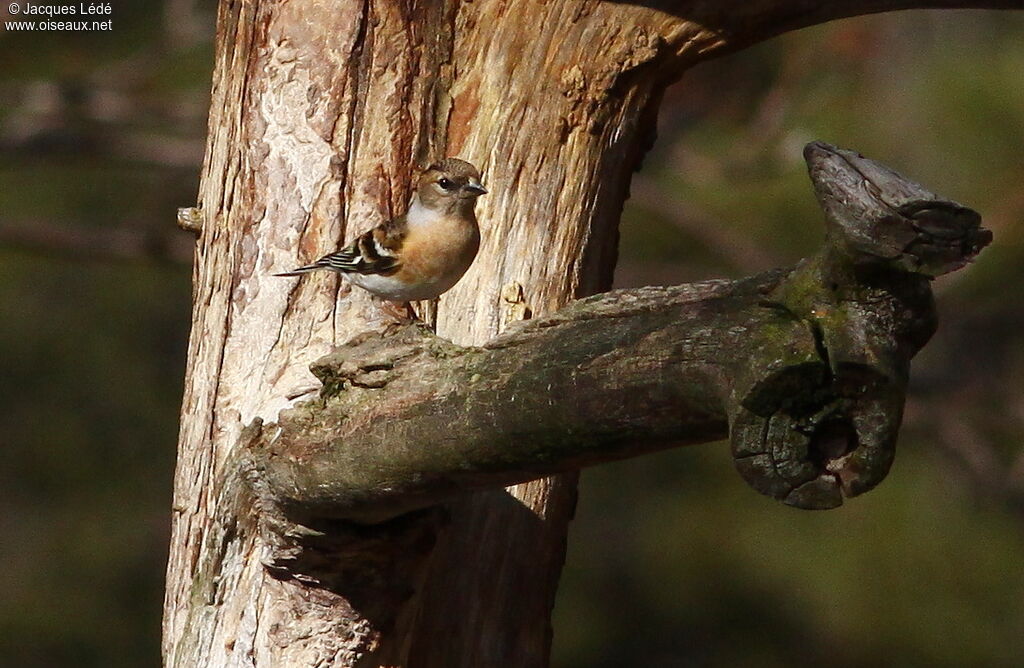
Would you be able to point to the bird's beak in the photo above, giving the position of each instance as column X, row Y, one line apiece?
column 475, row 188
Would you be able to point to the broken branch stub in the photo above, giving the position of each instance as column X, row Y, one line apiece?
column 813, row 426
column 804, row 369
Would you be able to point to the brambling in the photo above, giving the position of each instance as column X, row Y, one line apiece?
column 423, row 253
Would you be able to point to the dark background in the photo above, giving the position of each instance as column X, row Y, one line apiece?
column 673, row 561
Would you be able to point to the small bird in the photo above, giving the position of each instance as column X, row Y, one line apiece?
column 423, row 253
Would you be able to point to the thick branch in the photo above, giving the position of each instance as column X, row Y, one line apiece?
column 407, row 417
column 805, row 368
column 739, row 24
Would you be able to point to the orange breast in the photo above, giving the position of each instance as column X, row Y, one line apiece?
column 439, row 253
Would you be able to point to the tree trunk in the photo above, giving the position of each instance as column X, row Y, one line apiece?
column 320, row 113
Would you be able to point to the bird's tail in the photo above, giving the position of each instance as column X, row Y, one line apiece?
column 302, row 270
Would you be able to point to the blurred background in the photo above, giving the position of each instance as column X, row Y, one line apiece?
column 672, row 560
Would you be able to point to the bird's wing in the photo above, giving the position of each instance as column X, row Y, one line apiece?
column 373, row 252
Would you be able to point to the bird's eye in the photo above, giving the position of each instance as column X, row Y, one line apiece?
column 446, row 184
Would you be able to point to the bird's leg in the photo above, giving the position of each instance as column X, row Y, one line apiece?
column 396, row 310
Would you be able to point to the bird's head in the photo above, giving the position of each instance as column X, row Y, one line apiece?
column 449, row 185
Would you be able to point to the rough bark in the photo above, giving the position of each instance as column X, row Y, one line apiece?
column 319, row 114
